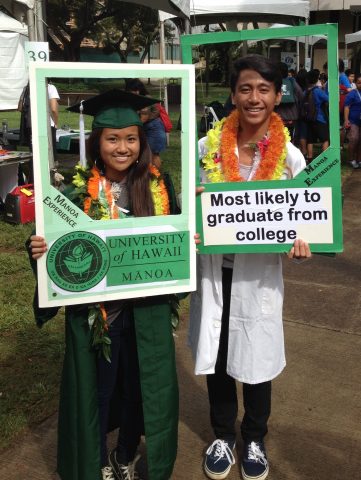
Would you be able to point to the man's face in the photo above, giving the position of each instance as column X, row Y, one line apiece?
column 254, row 98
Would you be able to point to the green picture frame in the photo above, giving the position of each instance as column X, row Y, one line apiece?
column 319, row 221
column 92, row 261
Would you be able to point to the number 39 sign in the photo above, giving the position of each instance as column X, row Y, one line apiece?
column 37, row 51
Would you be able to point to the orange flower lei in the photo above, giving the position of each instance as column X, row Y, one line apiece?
column 96, row 182
column 273, row 156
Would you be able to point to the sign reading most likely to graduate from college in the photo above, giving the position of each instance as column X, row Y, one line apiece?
column 267, row 216
column 90, row 261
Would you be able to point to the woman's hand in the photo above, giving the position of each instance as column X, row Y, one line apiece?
column 38, row 246
column 300, row 250
column 197, row 239
column 199, row 190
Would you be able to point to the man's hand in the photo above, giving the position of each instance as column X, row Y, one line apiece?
column 300, row 250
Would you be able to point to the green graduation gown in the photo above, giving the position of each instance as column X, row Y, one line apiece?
column 78, row 426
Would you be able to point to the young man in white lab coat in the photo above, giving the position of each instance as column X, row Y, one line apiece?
column 236, row 331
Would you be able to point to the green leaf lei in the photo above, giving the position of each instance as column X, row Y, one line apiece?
column 99, row 211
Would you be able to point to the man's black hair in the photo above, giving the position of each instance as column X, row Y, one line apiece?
column 313, row 76
column 341, row 65
column 134, row 84
column 284, row 69
column 301, row 78
column 268, row 70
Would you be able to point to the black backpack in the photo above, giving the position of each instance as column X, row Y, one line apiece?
column 308, row 111
column 207, row 119
column 288, row 91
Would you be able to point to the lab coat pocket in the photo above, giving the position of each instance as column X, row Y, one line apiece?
column 272, row 290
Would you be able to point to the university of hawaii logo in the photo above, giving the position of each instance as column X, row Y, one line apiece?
column 78, row 261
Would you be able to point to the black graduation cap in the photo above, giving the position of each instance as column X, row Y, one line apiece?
column 114, row 108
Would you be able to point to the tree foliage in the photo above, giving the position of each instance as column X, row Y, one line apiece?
column 115, row 26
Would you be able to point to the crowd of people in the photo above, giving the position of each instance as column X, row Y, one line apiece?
column 304, row 110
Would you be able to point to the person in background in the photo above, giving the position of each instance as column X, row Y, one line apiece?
column 317, row 124
column 235, row 330
column 155, row 132
column 119, row 371
column 342, row 77
column 300, row 138
column 325, row 69
column 351, row 77
column 323, row 80
column 134, row 85
column 153, row 125
column 344, row 88
column 291, row 72
column 54, row 112
column 352, row 123
column 288, row 109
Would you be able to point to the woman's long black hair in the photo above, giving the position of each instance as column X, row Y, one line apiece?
column 138, row 178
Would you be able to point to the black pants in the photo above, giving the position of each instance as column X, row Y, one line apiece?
column 119, row 381
column 222, row 390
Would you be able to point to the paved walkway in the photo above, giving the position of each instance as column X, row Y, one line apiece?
column 315, row 428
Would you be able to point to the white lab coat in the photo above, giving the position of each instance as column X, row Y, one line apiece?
column 256, row 344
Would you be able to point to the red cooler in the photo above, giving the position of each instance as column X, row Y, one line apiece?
column 20, row 205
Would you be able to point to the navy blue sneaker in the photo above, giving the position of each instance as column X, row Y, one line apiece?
column 219, row 459
column 254, row 461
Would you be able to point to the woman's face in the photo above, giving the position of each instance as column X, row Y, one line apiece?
column 119, row 149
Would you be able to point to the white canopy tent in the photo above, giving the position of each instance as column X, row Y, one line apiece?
column 175, row 8
column 312, row 39
column 307, row 40
column 203, row 12
column 13, row 72
column 352, row 38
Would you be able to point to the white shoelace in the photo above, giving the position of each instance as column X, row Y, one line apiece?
column 222, row 449
column 129, row 470
column 256, row 454
column 107, row 473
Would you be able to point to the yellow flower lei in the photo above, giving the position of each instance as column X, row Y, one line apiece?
column 268, row 169
column 211, row 161
column 159, row 192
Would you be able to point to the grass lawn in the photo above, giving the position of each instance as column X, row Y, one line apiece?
column 30, row 358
